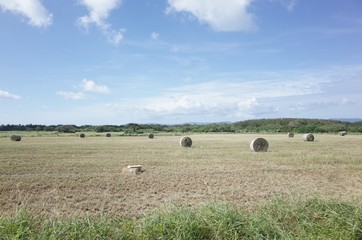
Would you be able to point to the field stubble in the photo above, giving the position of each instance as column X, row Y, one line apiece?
column 69, row 176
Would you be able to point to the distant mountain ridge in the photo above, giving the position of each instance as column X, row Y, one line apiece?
column 351, row 120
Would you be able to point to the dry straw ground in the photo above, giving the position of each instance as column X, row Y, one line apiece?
column 69, row 176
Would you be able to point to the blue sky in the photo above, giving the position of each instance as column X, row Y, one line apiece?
column 176, row 61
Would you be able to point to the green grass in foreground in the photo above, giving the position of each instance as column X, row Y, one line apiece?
column 311, row 219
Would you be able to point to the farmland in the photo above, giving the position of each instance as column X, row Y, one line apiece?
column 69, row 176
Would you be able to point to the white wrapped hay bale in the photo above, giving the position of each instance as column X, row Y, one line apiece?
column 186, row 142
column 259, row 145
column 343, row 133
column 308, row 137
column 132, row 169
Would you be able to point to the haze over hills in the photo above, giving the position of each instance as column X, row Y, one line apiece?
column 351, row 120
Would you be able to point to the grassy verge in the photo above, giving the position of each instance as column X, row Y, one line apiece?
column 279, row 219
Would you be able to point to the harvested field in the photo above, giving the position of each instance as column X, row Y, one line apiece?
column 69, row 176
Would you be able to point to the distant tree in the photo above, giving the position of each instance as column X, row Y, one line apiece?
column 66, row 128
column 100, row 129
column 133, row 127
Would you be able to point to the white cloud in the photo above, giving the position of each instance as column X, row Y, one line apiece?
column 272, row 88
column 251, row 107
column 221, row 15
column 288, row 4
column 91, row 86
column 188, row 105
column 228, row 99
column 179, row 105
column 155, row 35
column 33, row 10
column 85, row 86
column 5, row 94
column 99, row 11
column 321, row 104
column 72, row 95
column 247, row 95
column 114, row 36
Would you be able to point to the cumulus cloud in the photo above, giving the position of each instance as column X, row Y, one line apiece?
column 227, row 99
column 221, row 15
column 85, row 86
column 91, row 86
column 181, row 105
column 206, row 105
column 72, row 95
column 99, row 11
column 5, row 94
column 33, row 10
column 251, row 107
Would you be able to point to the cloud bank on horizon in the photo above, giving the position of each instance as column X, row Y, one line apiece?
column 177, row 61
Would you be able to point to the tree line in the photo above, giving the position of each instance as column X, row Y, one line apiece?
column 278, row 125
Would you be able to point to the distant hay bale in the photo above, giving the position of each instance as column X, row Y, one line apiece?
column 308, row 137
column 82, row 135
column 290, row 134
column 343, row 133
column 151, row 136
column 186, row 142
column 15, row 138
column 133, row 169
column 259, row 145
column 108, row 135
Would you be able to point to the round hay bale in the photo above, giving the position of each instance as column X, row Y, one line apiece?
column 290, row 134
column 343, row 133
column 186, row 142
column 15, row 138
column 259, row 145
column 308, row 137
column 82, row 135
column 151, row 136
column 108, row 135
